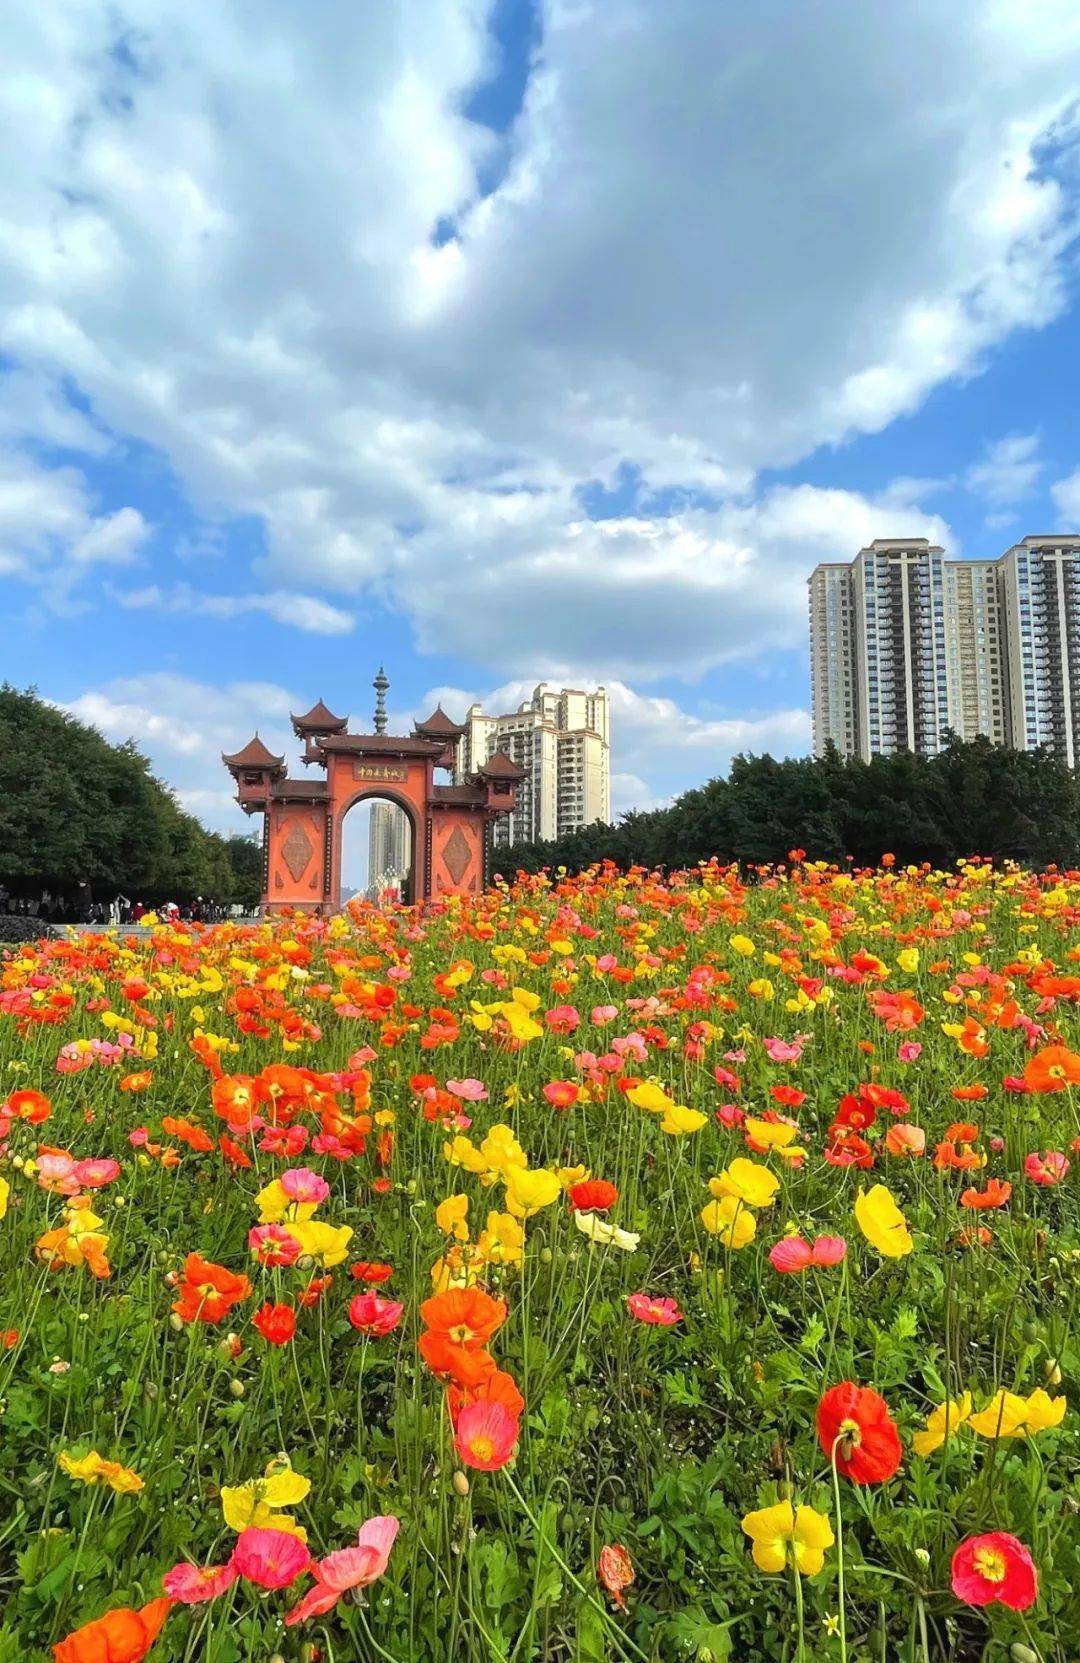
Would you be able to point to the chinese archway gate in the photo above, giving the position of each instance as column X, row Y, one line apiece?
column 302, row 818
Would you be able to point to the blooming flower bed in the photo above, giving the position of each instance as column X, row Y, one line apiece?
column 604, row 1268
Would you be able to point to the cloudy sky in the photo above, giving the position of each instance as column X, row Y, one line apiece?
column 508, row 339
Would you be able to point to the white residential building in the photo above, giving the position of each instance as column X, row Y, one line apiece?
column 1040, row 588
column 905, row 644
column 562, row 739
column 974, row 641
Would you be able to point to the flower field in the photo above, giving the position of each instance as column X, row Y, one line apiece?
column 605, row 1268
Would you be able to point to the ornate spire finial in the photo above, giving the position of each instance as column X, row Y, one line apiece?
column 380, row 684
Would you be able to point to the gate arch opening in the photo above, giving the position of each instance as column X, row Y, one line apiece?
column 377, row 847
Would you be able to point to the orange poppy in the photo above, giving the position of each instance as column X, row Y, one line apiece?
column 208, row 1291
column 120, row 1636
column 996, row 1194
column 1055, row 1068
column 466, row 1316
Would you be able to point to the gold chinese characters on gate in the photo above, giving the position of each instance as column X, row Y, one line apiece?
column 382, row 771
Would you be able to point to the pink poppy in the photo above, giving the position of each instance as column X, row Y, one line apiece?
column 271, row 1558
column 1047, row 1169
column 830, row 1250
column 784, row 1050
column 373, row 1315
column 355, row 1567
column 486, row 1435
column 995, row 1568
column 910, row 1051
column 601, row 1015
column 562, row 1019
column 272, row 1245
column 662, row 1313
column 95, row 1174
column 606, row 962
column 192, row 1584
column 791, row 1255
column 303, row 1185
column 470, row 1091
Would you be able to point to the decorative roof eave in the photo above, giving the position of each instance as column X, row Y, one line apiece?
column 458, row 796
column 440, row 725
column 319, row 719
column 381, row 744
column 253, row 755
column 298, row 791
column 499, row 766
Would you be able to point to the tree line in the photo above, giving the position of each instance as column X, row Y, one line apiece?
column 76, row 811
column 974, row 798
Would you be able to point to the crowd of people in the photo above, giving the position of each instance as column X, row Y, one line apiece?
column 83, row 907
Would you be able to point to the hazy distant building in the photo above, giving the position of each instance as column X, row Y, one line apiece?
column 388, row 845
column 905, row 645
column 562, row 739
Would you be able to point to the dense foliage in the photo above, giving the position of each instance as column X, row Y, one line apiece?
column 1018, row 805
column 609, row 1269
column 75, row 809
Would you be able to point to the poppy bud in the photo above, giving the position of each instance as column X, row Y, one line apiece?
column 546, row 1255
column 151, row 1389
column 175, row 1323
column 276, row 1657
column 461, row 1483
column 923, row 1556
column 236, row 1388
column 1022, row 1654
column 1052, row 1372
column 1031, row 1331
column 785, row 1489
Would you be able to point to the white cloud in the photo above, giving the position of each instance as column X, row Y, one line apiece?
column 306, row 612
column 49, row 527
column 1066, row 495
column 1008, row 472
column 727, row 235
column 183, row 726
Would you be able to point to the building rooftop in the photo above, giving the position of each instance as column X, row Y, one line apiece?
column 254, row 755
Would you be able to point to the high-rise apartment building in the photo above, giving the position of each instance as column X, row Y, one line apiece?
column 832, row 656
column 1040, row 587
column 562, row 739
column 974, row 641
column 905, row 645
column 901, row 681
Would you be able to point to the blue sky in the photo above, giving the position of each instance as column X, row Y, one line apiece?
column 505, row 342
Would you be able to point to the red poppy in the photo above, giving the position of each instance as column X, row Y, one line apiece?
column 276, row 1323
column 592, row 1195
column 856, row 1430
column 372, row 1315
column 995, row 1567
column 368, row 1270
